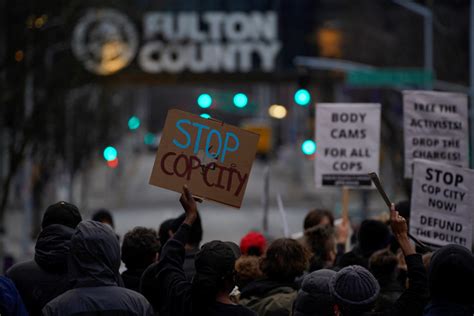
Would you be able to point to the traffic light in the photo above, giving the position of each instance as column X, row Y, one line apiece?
column 302, row 97
column 205, row 115
column 113, row 163
column 110, row 153
column 308, row 147
column 204, row 100
column 133, row 123
column 240, row 100
column 149, row 139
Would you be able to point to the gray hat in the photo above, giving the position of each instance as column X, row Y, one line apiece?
column 354, row 287
column 314, row 298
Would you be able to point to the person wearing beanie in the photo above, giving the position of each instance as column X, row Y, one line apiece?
column 253, row 244
column 45, row 277
column 209, row 291
column 373, row 235
column 355, row 289
column 451, row 282
column 314, row 297
column 96, row 289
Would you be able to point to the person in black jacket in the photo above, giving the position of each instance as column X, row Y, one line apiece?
column 192, row 244
column 140, row 248
column 355, row 289
column 94, row 274
column 40, row 280
column 208, row 293
column 451, row 282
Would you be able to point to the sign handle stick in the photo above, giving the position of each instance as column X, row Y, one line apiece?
column 345, row 205
column 375, row 179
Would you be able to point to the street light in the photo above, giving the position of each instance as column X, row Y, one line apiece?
column 277, row 111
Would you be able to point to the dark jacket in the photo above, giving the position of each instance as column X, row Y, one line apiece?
column 131, row 278
column 10, row 301
column 188, row 265
column 414, row 299
column 93, row 271
column 173, row 291
column 269, row 298
column 445, row 308
column 40, row 280
column 390, row 292
column 148, row 285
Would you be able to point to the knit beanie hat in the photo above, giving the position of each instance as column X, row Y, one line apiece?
column 373, row 236
column 451, row 275
column 354, row 288
column 315, row 298
column 62, row 213
column 253, row 241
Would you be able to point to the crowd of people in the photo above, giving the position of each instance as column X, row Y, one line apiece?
column 326, row 271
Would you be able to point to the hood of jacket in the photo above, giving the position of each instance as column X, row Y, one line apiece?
column 52, row 248
column 95, row 256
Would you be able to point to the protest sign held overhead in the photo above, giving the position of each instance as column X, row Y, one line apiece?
column 348, row 136
column 441, row 203
column 214, row 159
column 435, row 128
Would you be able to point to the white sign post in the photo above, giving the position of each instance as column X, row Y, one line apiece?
column 348, row 137
column 435, row 128
column 441, row 204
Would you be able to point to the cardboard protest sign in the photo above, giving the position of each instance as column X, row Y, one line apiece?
column 435, row 128
column 348, row 137
column 441, row 204
column 214, row 159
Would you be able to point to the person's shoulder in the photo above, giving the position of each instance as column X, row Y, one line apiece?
column 19, row 269
column 245, row 311
column 133, row 295
column 61, row 300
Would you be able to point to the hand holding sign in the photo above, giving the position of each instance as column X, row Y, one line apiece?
column 189, row 205
column 400, row 230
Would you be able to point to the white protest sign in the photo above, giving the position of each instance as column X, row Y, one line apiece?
column 435, row 128
column 348, row 137
column 441, row 204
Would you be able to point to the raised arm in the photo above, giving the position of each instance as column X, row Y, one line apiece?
column 415, row 297
column 174, row 291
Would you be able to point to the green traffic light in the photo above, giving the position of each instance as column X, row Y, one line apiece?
column 240, row 100
column 204, row 100
column 302, row 97
column 110, row 153
column 149, row 139
column 205, row 115
column 308, row 147
column 133, row 122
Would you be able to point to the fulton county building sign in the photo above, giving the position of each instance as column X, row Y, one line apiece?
column 106, row 41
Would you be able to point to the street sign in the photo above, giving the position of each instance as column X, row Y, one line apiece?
column 390, row 77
